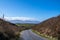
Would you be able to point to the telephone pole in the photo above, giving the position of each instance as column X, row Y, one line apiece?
column 3, row 16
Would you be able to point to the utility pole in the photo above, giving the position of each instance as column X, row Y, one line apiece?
column 3, row 16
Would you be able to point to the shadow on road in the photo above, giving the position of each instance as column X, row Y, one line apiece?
column 21, row 38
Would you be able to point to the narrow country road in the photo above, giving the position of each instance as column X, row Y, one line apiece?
column 29, row 35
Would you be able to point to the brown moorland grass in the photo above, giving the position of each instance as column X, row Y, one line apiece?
column 50, row 27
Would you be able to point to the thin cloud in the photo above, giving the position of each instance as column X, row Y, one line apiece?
column 19, row 18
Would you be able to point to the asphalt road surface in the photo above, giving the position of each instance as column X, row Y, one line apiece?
column 29, row 35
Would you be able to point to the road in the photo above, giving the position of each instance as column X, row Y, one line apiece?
column 29, row 35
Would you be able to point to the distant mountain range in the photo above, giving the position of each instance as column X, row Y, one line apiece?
column 25, row 21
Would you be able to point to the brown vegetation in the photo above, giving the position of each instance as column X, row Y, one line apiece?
column 9, row 31
column 50, row 27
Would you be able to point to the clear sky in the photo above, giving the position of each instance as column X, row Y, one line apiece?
column 38, row 9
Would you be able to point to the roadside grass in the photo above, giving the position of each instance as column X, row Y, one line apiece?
column 26, row 25
column 45, row 36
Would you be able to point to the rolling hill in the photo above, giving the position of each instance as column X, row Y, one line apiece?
column 50, row 27
column 9, row 30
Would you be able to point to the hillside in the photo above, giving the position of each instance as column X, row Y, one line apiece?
column 50, row 27
column 8, row 30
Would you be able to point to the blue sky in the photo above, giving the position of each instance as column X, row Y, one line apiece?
column 37, row 9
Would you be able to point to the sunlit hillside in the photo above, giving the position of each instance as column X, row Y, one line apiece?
column 50, row 27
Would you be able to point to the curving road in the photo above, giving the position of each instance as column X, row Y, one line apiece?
column 29, row 35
